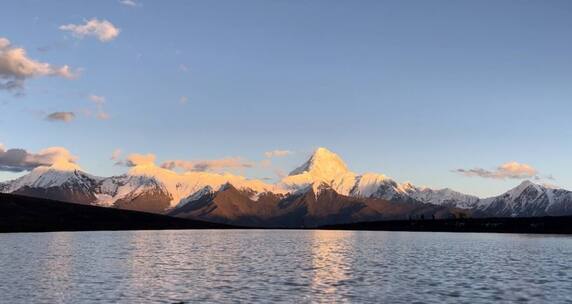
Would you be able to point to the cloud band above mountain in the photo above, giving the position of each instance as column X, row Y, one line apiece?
column 19, row 160
column 140, row 160
column 208, row 165
column 510, row 170
column 277, row 153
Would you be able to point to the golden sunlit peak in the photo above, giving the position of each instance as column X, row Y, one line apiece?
column 323, row 163
column 64, row 165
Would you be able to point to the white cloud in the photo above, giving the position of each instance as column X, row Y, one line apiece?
column 61, row 116
column 103, row 30
column 136, row 159
column 18, row 160
column 131, row 3
column 16, row 67
column 208, row 165
column 277, row 153
column 99, row 102
column 511, row 170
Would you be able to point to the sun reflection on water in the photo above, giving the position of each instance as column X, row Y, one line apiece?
column 332, row 260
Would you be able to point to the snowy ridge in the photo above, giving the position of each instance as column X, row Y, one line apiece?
column 207, row 190
column 444, row 197
column 324, row 169
column 182, row 185
column 529, row 199
column 46, row 177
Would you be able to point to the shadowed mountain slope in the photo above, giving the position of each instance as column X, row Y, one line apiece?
column 310, row 208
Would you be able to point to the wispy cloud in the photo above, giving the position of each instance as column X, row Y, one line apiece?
column 265, row 163
column 116, row 154
column 16, row 67
column 136, row 159
column 103, row 30
column 131, row 3
column 61, row 116
column 208, row 165
column 102, row 115
column 99, row 102
column 277, row 153
column 18, row 160
column 510, row 170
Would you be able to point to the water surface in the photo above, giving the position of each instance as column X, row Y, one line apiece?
column 283, row 266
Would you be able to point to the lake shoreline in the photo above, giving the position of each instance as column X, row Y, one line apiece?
column 28, row 214
column 536, row 225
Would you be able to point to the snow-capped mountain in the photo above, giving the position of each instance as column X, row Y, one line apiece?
column 147, row 187
column 444, row 197
column 66, row 184
column 310, row 207
column 326, row 167
column 528, row 199
column 144, row 188
column 204, row 192
column 134, row 192
column 323, row 166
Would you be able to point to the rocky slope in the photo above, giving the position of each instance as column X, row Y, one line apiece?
column 528, row 199
column 314, row 206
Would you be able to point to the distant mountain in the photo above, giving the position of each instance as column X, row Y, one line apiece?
column 326, row 167
column 55, row 183
column 443, row 197
column 144, row 188
column 133, row 192
column 228, row 198
column 312, row 207
column 125, row 192
column 528, row 199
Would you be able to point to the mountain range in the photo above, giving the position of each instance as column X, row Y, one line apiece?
column 321, row 191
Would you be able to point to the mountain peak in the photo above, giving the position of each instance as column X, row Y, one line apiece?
column 523, row 185
column 518, row 190
column 526, row 183
column 324, row 164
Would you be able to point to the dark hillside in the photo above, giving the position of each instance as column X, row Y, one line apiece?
column 28, row 214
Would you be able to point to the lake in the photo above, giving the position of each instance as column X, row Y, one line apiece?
column 284, row 266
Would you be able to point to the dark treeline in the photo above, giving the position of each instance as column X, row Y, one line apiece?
column 556, row 225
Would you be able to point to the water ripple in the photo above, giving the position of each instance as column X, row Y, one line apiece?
column 283, row 267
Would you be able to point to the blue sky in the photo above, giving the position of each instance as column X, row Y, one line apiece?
column 411, row 89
